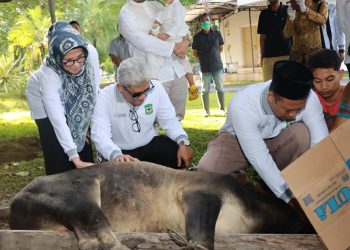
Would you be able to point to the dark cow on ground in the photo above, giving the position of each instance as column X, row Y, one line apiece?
column 144, row 197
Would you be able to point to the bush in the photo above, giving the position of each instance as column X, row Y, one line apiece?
column 12, row 77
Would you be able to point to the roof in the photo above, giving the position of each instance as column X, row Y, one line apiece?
column 219, row 10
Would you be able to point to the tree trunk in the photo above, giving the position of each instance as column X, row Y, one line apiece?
column 52, row 11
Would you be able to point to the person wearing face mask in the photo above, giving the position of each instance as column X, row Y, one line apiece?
column 207, row 46
column 305, row 18
column 274, row 46
column 122, row 123
column 61, row 95
column 135, row 22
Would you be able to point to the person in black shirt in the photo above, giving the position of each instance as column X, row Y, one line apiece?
column 274, row 47
column 207, row 46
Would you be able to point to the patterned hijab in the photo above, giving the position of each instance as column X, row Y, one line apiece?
column 79, row 90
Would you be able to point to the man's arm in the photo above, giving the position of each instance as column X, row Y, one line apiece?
column 115, row 59
column 134, row 35
column 246, row 125
column 195, row 53
column 320, row 16
column 314, row 119
column 101, row 129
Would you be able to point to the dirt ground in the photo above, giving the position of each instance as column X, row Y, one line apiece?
column 15, row 150
column 21, row 149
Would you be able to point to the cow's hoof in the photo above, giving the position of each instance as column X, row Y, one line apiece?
column 89, row 244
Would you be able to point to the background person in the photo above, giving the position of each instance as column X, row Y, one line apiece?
column 135, row 22
column 122, row 124
column 75, row 25
column 118, row 51
column 274, row 46
column 61, row 96
column 325, row 67
column 207, row 46
column 331, row 36
column 170, row 25
column 269, row 125
column 343, row 13
column 305, row 17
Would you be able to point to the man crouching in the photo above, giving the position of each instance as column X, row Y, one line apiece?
column 122, row 123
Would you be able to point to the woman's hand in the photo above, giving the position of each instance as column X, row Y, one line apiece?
column 81, row 164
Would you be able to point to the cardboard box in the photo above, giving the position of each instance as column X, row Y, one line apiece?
column 320, row 180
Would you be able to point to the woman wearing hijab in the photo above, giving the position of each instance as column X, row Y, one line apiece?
column 62, row 96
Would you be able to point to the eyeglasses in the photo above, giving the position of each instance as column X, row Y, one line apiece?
column 71, row 62
column 138, row 94
column 134, row 117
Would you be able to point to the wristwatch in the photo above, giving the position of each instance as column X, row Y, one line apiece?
column 184, row 142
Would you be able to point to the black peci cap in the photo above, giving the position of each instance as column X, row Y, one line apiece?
column 291, row 80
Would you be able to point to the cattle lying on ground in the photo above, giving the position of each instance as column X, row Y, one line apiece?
column 144, row 197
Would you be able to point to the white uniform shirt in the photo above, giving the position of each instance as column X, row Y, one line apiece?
column 343, row 14
column 45, row 94
column 250, row 118
column 135, row 22
column 172, row 18
column 112, row 127
column 338, row 37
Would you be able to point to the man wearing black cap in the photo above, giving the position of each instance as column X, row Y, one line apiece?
column 269, row 125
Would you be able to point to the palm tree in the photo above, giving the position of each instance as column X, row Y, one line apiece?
column 11, row 75
column 29, row 33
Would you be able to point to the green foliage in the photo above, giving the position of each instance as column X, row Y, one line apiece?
column 12, row 78
column 29, row 33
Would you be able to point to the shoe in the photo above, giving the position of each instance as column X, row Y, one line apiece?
column 206, row 115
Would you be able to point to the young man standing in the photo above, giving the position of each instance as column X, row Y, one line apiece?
column 325, row 66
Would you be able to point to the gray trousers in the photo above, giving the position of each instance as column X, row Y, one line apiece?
column 177, row 92
column 224, row 154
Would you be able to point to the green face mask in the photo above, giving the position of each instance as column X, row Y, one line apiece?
column 205, row 25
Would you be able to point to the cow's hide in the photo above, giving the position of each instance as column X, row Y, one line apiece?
column 145, row 197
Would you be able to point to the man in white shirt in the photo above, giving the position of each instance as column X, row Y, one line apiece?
column 343, row 12
column 135, row 22
column 331, row 36
column 122, row 123
column 269, row 125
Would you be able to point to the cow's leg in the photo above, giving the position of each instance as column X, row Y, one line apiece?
column 92, row 228
column 201, row 209
column 40, row 207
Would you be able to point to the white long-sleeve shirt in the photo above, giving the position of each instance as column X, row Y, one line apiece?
column 112, row 127
column 338, row 37
column 250, row 118
column 172, row 18
column 135, row 22
column 45, row 98
column 343, row 14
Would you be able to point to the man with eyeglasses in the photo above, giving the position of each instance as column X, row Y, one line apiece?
column 122, row 123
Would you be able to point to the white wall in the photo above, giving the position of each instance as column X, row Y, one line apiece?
column 231, row 30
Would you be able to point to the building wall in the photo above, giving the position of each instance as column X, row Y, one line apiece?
column 234, row 30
